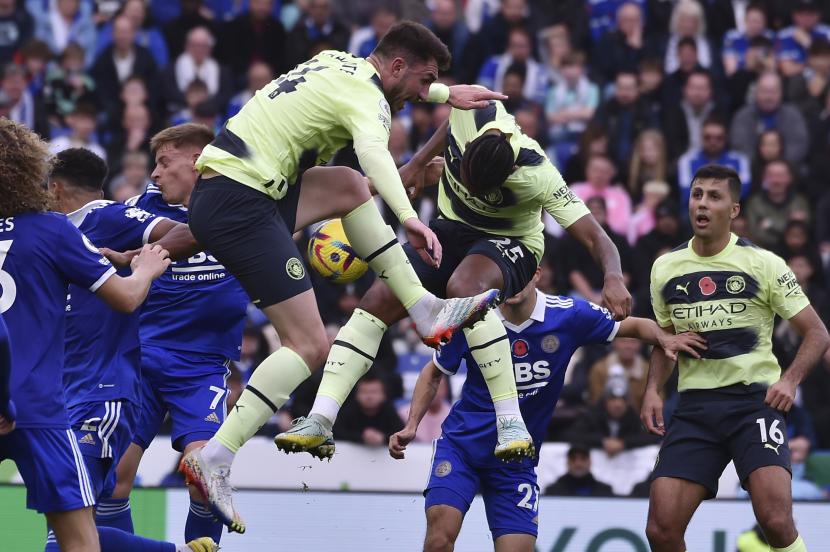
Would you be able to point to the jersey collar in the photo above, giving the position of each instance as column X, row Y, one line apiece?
column 733, row 239
column 538, row 315
column 77, row 217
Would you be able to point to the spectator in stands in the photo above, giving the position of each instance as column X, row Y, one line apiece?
column 770, row 148
column 760, row 59
column 768, row 111
column 795, row 41
column 59, row 22
column 625, row 363
column 797, row 240
column 495, row 33
column 594, row 141
column 674, row 82
column 808, row 89
column 146, row 35
column 23, row 107
column 133, row 178
column 514, row 87
column 399, row 143
column 807, row 273
column 478, row 12
column 570, row 106
column 736, row 42
column 193, row 14
column 683, row 121
column 430, row 428
column 583, row 274
column 579, row 481
column 713, row 150
column 369, row 417
column 253, row 37
column 259, row 74
column 519, row 50
column 317, row 27
column 624, row 48
column 82, row 124
column 16, row 27
column 815, row 390
column 195, row 94
column 667, row 234
column 624, row 116
column 604, row 16
column 445, row 22
column 644, row 218
column 134, row 134
column 67, row 84
column 196, row 62
column 648, row 162
column 651, row 84
column 600, row 173
column 556, row 45
column 119, row 61
column 769, row 210
column 364, row 40
column 687, row 21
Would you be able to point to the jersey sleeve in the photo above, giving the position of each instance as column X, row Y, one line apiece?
column 448, row 358
column 658, row 303
column 786, row 297
column 120, row 227
column 593, row 323
column 559, row 200
column 369, row 122
column 79, row 260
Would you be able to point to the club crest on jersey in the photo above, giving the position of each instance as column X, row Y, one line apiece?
column 494, row 198
column 550, row 343
column 707, row 285
column 520, row 348
column 294, row 268
column 443, row 469
column 735, row 284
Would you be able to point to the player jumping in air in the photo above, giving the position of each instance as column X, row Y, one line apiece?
column 543, row 331
column 41, row 253
column 495, row 184
column 733, row 399
column 260, row 184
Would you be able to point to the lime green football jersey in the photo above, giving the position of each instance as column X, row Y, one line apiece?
column 515, row 209
column 302, row 119
column 731, row 299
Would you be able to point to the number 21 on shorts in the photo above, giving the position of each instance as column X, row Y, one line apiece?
column 531, row 493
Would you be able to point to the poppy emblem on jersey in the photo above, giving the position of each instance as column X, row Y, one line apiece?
column 735, row 284
column 550, row 343
column 294, row 268
column 520, row 348
column 707, row 285
column 443, row 469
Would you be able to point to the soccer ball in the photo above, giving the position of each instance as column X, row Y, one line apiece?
column 331, row 255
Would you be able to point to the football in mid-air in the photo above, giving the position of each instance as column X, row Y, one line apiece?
column 331, row 255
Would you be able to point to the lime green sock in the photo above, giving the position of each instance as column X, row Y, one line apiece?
column 797, row 546
column 268, row 389
column 351, row 356
column 490, row 348
column 376, row 243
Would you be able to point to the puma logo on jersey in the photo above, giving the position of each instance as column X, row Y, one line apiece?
column 212, row 417
column 87, row 439
column 684, row 289
column 772, row 447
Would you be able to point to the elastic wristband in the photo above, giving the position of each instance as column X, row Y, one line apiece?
column 438, row 93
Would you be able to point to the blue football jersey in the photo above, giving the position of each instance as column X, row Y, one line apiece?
column 197, row 305
column 40, row 254
column 103, row 357
column 541, row 349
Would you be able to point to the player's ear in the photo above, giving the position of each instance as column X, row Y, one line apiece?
column 398, row 66
column 736, row 210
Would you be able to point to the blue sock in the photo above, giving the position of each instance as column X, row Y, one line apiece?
column 115, row 540
column 115, row 513
column 201, row 523
column 51, row 542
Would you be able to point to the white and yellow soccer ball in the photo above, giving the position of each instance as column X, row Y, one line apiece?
column 331, row 255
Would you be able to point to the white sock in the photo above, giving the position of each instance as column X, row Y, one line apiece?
column 216, row 455
column 326, row 407
column 508, row 408
column 424, row 311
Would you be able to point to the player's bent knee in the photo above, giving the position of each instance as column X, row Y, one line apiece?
column 466, row 286
column 352, row 190
column 778, row 526
column 438, row 541
column 660, row 533
column 314, row 349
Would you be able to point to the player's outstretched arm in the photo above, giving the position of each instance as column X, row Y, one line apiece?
column 176, row 238
column 614, row 294
column 425, row 389
column 471, row 96
column 127, row 294
column 648, row 331
column 814, row 344
column 659, row 370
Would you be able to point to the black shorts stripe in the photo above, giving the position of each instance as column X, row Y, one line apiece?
column 369, row 258
column 485, row 345
column 353, row 348
column 262, row 397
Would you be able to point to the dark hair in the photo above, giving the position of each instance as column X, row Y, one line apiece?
column 687, row 41
column 760, row 41
column 518, row 68
column 650, row 64
column 700, row 73
column 411, row 40
column 819, row 48
column 573, row 58
column 80, row 167
column 486, row 163
column 721, row 172
column 715, row 120
column 579, row 449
